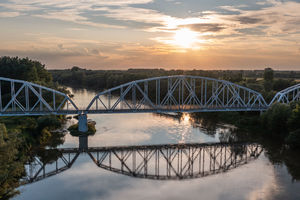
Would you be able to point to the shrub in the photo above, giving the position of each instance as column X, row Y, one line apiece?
column 276, row 118
column 293, row 139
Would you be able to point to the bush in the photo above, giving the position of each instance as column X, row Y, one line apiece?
column 293, row 121
column 50, row 121
column 75, row 132
column 276, row 118
column 293, row 139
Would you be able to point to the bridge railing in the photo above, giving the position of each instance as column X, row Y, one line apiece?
column 19, row 97
column 177, row 93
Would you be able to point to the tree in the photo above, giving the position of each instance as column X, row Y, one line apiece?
column 24, row 69
column 268, row 74
column 275, row 120
column 11, row 164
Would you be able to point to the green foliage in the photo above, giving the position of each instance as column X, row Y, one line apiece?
column 3, row 133
column 11, row 165
column 24, row 69
column 283, row 120
column 255, row 86
column 74, row 129
column 49, row 121
column 281, row 84
column 294, row 120
column 23, row 133
column 238, row 77
column 268, row 85
column 275, row 119
column 268, row 74
column 293, row 139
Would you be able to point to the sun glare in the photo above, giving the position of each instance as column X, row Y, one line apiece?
column 186, row 117
column 185, row 38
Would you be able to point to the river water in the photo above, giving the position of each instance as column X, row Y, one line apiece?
column 260, row 178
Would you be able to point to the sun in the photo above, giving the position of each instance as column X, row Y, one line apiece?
column 185, row 38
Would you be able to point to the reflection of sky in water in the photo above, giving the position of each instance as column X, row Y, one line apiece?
column 86, row 181
column 255, row 180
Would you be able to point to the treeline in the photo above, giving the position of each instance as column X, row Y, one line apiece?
column 103, row 79
column 267, row 81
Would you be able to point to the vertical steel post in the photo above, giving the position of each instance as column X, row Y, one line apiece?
column 146, row 91
column 121, row 96
column 54, row 103
column 26, row 98
column 12, row 86
column 109, row 99
column 40, row 99
column 0, row 97
column 158, row 92
column 134, row 95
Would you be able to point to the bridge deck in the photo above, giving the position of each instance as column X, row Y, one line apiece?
column 74, row 112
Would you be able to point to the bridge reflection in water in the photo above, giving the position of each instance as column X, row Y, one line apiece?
column 159, row 162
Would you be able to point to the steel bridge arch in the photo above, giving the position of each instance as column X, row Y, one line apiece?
column 20, row 98
column 181, row 93
column 290, row 94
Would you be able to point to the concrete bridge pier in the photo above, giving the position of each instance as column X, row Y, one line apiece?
column 82, row 123
column 83, row 142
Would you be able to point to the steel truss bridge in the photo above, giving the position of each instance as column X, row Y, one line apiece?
column 182, row 93
column 159, row 162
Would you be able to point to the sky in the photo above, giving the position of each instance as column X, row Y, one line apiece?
column 169, row 34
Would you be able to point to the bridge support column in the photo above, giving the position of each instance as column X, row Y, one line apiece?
column 82, row 123
column 83, row 142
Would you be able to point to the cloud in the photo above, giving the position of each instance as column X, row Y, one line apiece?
column 144, row 34
column 65, row 10
column 19, row 7
column 135, row 14
column 204, row 27
column 9, row 14
column 248, row 20
column 73, row 15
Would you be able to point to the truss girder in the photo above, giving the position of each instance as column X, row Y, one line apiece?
column 24, row 98
column 288, row 95
column 177, row 93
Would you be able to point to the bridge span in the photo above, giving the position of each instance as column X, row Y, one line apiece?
column 180, row 93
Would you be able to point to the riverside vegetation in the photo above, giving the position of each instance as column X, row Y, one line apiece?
column 20, row 136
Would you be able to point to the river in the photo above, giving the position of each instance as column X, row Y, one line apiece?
column 260, row 178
